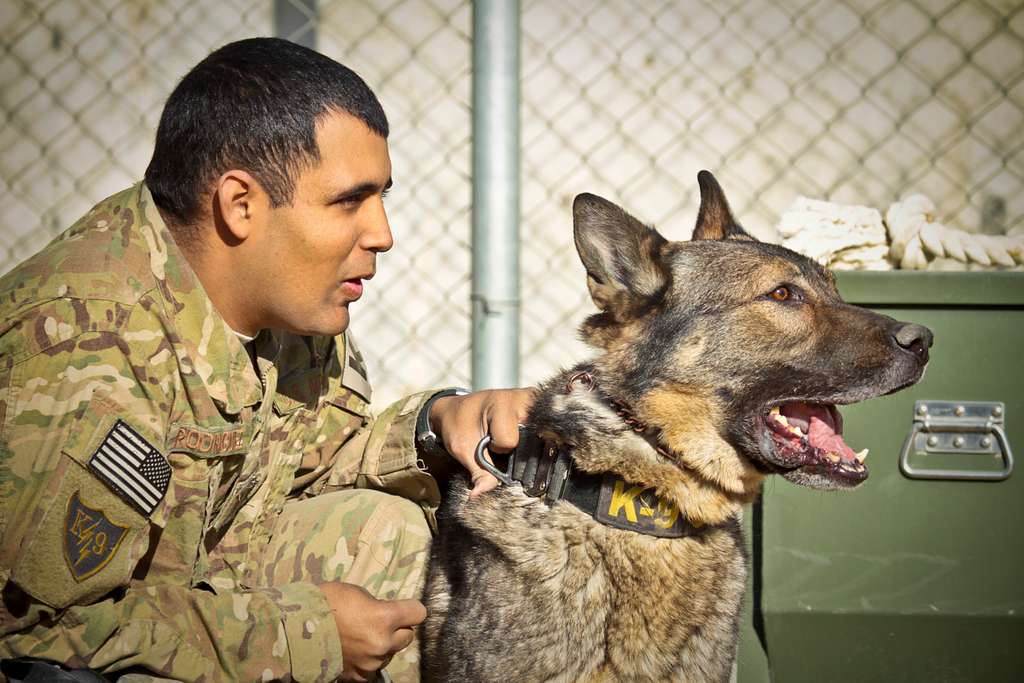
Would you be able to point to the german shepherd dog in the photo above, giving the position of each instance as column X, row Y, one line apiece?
column 613, row 551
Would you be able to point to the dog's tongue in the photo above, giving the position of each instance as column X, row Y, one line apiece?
column 822, row 436
column 822, row 425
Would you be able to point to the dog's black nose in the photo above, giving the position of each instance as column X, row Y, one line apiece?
column 915, row 338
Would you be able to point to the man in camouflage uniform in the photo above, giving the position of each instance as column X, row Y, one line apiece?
column 191, row 483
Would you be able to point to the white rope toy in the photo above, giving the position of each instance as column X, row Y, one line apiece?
column 841, row 236
column 916, row 239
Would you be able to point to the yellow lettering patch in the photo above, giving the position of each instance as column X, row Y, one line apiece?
column 624, row 501
column 628, row 506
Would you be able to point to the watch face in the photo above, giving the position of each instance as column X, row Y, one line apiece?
column 427, row 441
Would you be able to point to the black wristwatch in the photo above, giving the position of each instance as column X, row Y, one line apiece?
column 427, row 442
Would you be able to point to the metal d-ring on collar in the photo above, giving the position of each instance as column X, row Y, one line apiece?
column 541, row 467
column 504, row 477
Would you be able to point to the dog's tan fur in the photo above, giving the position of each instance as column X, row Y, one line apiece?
column 690, row 338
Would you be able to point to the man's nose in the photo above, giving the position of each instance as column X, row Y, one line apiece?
column 377, row 236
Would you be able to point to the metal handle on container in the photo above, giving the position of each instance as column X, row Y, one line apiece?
column 962, row 428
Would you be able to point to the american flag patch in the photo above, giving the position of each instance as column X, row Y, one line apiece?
column 132, row 468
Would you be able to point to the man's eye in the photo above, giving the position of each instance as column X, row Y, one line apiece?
column 350, row 202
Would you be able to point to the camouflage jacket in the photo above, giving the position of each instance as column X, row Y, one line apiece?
column 144, row 460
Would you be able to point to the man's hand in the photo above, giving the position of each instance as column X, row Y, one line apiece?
column 461, row 421
column 372, row 631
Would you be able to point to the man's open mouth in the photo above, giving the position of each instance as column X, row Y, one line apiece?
column 809, row 437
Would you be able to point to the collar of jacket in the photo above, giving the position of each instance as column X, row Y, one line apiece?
column 215, row 356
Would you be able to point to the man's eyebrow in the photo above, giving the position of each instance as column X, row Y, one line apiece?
column 361, row 190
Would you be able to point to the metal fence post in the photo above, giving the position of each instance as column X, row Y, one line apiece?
column 296, row 20
column 495, row 293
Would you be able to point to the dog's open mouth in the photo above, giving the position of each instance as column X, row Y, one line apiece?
column 809, row 437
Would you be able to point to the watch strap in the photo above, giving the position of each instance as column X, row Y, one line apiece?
column 426, row 439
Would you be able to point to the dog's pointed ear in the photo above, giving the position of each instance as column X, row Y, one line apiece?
column 715, row 220
column 622, row 255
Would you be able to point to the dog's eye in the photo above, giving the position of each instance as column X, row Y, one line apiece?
column 782, row 293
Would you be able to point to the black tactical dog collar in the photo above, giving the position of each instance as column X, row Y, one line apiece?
column 544, row 470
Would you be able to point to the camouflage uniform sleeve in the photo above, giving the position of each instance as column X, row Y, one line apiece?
column 382, row 455
column 390, row 461
column 71, row 543
column 366, row 452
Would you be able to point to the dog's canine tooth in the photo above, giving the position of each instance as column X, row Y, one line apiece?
column 861, row 455
column 834, row 457
column 776, row 414
column 795, row 430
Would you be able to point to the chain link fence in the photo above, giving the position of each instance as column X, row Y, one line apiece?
column 414, row 320
column 855, row 101
column 82, row 84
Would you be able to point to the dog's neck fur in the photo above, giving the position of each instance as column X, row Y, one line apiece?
column 695, row 468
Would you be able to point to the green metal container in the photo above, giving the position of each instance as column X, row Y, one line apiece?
column 918, row 575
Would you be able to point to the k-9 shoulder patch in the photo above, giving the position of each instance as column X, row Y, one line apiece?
column 132, row 468
column 90, row 539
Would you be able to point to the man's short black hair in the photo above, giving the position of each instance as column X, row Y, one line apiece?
column 254, row 105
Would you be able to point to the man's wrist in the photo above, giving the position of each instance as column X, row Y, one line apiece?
column 428, row 443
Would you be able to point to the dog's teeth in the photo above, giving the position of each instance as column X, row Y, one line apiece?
column 834, row 457
column 861, row 455
column 778, row 417
column 795, row 430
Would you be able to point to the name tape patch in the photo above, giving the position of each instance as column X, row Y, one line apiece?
column 132, row 468
column 201, row 442
column 90, row 539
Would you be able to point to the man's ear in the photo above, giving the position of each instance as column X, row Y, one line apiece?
column 622, row 255
column 714, row 220
column 235, row 197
